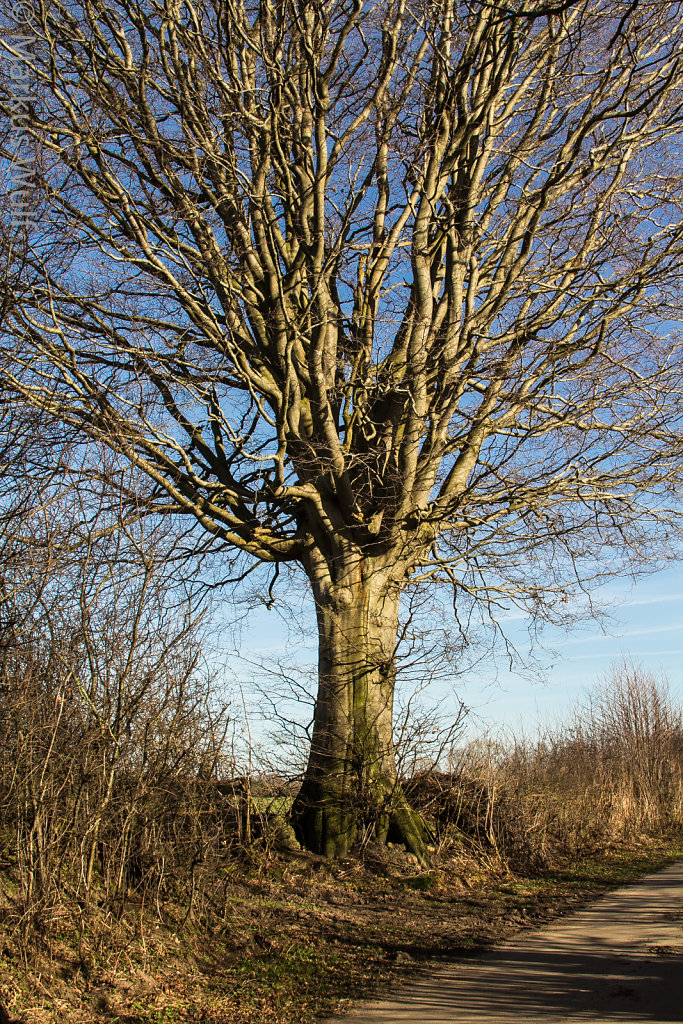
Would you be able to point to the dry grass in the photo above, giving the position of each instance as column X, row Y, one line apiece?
column 130, row 894
column 614, row 774
column 301, row 938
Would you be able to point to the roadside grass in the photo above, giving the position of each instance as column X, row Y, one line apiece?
column 307, row 939
column 208, row 910
column 618, row 867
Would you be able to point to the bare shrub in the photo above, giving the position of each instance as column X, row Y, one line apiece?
column 616, row 772
column 111, row 743
column 634, row 731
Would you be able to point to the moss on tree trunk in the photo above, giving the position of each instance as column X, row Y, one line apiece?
column 351, row 788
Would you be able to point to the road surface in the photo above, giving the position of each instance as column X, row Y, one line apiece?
column 619, row 959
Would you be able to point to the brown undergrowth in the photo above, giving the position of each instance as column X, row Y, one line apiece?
column 300, row 937
column 140, row 885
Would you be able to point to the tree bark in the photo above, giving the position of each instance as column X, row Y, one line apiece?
column 351, row 788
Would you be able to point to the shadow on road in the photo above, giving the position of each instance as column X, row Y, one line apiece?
column 617, row 960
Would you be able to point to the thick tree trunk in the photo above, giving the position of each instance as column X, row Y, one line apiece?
column 351, row 788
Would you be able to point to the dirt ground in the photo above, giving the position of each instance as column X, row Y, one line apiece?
column 299, row 938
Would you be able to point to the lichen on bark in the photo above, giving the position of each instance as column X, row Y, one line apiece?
column 351, row 790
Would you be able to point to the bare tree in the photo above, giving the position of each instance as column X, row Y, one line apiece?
column 389, row 292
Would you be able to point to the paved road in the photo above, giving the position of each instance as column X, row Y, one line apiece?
column 620, row 959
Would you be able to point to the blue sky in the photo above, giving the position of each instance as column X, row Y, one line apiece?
column 645, row 623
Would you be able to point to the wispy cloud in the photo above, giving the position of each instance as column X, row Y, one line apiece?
column 611, row 654
column 658, row 599
column 607, row 637
column 613, row 601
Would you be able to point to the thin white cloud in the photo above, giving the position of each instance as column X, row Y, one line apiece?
column 618, row 604
column 659, row 599
column 619, row 636
column 637, row 654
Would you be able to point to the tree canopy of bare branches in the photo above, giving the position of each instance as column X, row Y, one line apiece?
column 388, row 291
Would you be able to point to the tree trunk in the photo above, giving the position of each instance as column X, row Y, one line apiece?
column 351, row 788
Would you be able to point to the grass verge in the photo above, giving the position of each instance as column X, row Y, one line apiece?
column 300, row 938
